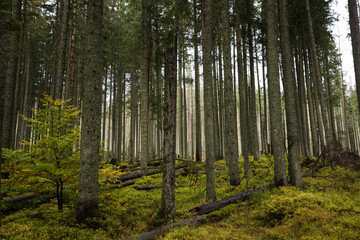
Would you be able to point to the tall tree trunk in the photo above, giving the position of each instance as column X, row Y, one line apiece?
column 197, row 87
column 320, row 93
column 242, row 96
column 134, row 109
column 290, row 99
column 10, row 83
column 87, row 204
column 168, row 190
column 355, row 40
column 5, row 20
column 231, row 143
column 208, row 99
column 277, row 137
column 144, row 107
column 313, row 128
column 59, row 78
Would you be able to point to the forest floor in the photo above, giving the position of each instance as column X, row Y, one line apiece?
column 326, row 206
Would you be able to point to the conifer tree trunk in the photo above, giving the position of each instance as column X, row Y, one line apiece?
column 313, row 128
column 318, row 81
column 290, row 99
column 59, row 78
column 197, row 86
column 277, row 137
column 242, row 96
column 5, row 20
column 355, row 40
column 134, row 109
column 168, row 189
column 208, row 99
column 87, row 204
column 231, row 143
column 10, row 84
column 144, row 106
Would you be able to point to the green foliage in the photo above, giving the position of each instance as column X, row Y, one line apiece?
column 51, row 156
column 327, row 206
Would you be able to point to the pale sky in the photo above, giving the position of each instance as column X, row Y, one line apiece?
column 341, row 32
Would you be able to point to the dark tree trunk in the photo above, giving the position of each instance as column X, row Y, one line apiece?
column 277, row 137
column 10, row 84
column 168, row 190
column 197, row 87
column 91, row 116
column 290, row 99
column 242, row 97
column 208, row 99
column 355, row 39
column 144, row 107
column 231, row 143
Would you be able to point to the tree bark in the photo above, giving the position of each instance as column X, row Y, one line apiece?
column 197, row 87
column 144, row 107
column 168, row 182
column 208, row 99
column 290, row 99
column 91, row 116
column 242, row 96
column 277, row 137
column 231, row 143
column 355, row 40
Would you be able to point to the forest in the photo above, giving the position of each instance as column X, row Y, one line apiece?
column 183, row 119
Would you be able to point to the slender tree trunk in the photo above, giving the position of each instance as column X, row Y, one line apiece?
column 231, row 143
column 87, row 204
column 10, row 84
column 208, row 99
column 197, row 87
column 277, row 137
column 313, row 128
column 242, row 96
column 5, row 21
column 59, row 78
column 328, row 135
column 168, row 190
column 355, row 40
column 144, row 107
column 290, row 99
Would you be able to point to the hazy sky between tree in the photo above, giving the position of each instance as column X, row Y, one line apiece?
column 341, row 32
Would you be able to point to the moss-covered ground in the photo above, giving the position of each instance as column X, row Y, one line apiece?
column 326, row 206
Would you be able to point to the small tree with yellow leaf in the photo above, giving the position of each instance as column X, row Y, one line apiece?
column 52, row 155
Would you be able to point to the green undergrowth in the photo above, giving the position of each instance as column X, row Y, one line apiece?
column 327, row 206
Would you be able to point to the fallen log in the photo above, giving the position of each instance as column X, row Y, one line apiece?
column 120, row 185
column 214, row 206
column 145, row 188
column 131, row 176
column 142, row 188
column 184, row 173
column 161, row 230
column 27, row 196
